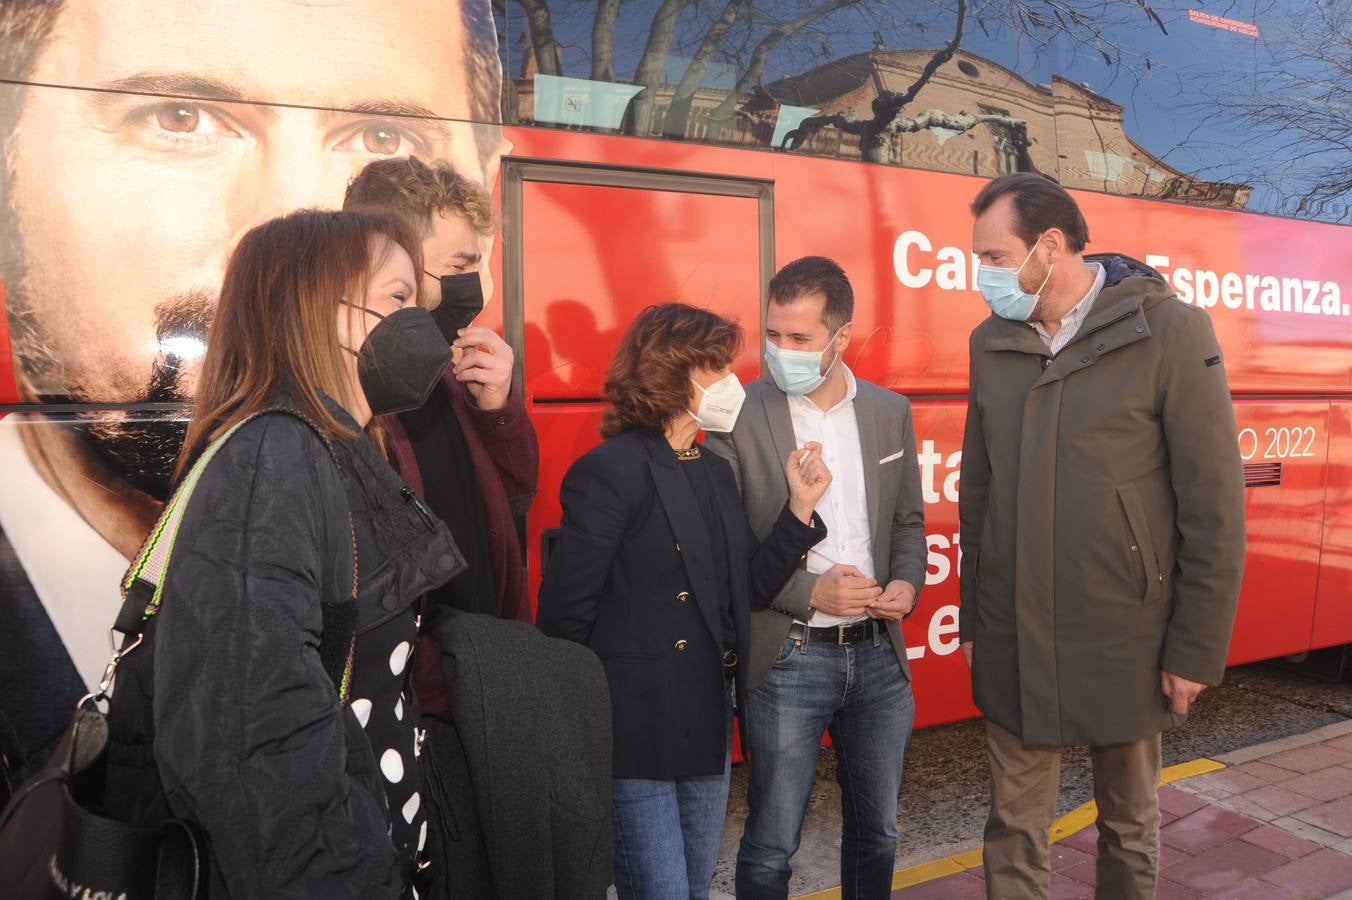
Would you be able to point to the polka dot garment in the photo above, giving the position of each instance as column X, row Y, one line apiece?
column 383, row 703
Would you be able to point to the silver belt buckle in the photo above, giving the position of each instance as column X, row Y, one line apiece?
column 840, row 635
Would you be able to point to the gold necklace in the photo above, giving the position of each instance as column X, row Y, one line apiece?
column 688, row 454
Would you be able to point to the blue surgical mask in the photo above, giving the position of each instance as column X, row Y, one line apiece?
column 1000, row 287
column 799, row 371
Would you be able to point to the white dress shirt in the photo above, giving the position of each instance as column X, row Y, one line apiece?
column 844, row 506
column 1074, row 317
column 75, row 572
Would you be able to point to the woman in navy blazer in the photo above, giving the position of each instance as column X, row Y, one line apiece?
column 654, row 569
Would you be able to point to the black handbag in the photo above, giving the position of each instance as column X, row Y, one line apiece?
column 53, row 844
column 56, row 839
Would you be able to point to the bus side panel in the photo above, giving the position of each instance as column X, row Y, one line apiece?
column 595, row 256
column 1276, row 289
column 942, row 688
column 1283, row 441
column 902, row 237
column 1333, row 600
column 565, row 433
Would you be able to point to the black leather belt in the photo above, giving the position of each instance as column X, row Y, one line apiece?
column 835, row 634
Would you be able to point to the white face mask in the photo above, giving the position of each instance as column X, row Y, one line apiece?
column 719, row 404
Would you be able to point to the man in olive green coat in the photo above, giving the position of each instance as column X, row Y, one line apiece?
column 1102, row 520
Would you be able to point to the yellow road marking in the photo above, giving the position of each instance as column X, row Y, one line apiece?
column 1190, row 769
column 1076, row 820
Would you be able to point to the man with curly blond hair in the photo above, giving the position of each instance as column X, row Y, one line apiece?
column 470, row 450
column 453, row 213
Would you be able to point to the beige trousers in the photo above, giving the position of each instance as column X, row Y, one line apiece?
column 1024, row 782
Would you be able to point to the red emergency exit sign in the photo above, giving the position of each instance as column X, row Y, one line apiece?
column 1247, row 29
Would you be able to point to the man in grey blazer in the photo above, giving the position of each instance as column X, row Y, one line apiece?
column 827, row 653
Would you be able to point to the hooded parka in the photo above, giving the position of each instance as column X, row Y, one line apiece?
column 1101, row 513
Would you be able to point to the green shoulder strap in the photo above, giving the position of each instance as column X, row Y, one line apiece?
column 153, row 560
column 145, row 579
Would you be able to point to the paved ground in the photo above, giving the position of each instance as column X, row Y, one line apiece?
column 1276, row 822
column 945, row 791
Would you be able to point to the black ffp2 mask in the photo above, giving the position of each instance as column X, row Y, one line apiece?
column 462, row 298
column 401, row 360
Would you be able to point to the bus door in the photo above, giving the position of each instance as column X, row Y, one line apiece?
column 1333, row 602
column 585, row 249
column 1287, row 451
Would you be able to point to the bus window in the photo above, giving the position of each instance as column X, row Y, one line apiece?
column 1164, row 100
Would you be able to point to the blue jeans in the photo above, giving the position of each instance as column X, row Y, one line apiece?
column 667, row 834
column 859, row 694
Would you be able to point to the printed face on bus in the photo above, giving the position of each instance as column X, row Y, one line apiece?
column 126, row 197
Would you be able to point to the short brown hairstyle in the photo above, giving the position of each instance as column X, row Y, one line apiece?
column 417, row 191
column 649, row 380
column 1039, row 204
column 816, row 275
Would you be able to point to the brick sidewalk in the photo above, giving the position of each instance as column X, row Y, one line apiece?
column 1276, row 822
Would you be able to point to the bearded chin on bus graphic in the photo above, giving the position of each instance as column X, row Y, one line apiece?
column 138, row 449
column 140, row 140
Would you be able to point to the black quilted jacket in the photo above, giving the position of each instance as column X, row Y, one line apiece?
column 229, row 716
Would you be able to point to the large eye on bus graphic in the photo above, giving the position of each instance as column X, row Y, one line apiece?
column 142, row 140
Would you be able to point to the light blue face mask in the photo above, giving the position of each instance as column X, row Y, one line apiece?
column 799, row 371
column 1000, row 288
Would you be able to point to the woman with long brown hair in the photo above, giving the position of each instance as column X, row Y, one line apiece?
column 277, row 716
column 656, row 569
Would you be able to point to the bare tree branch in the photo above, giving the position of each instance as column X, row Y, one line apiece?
column 756, row 65
column 1280, row 121
column 1298, row 104
column 961, row 122
column 603, row 40
column 541, row 26
column 888, row 104
column 678, row 115
column 510, row 99
column 875, row 133
column 649, row 70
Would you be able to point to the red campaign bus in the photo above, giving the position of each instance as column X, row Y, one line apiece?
column 640, row 157
column 708, row 225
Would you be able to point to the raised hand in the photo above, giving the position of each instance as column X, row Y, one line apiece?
column 483, row 361
column 808, row 479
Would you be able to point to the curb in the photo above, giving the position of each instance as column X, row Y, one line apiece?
column 1258, row 751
